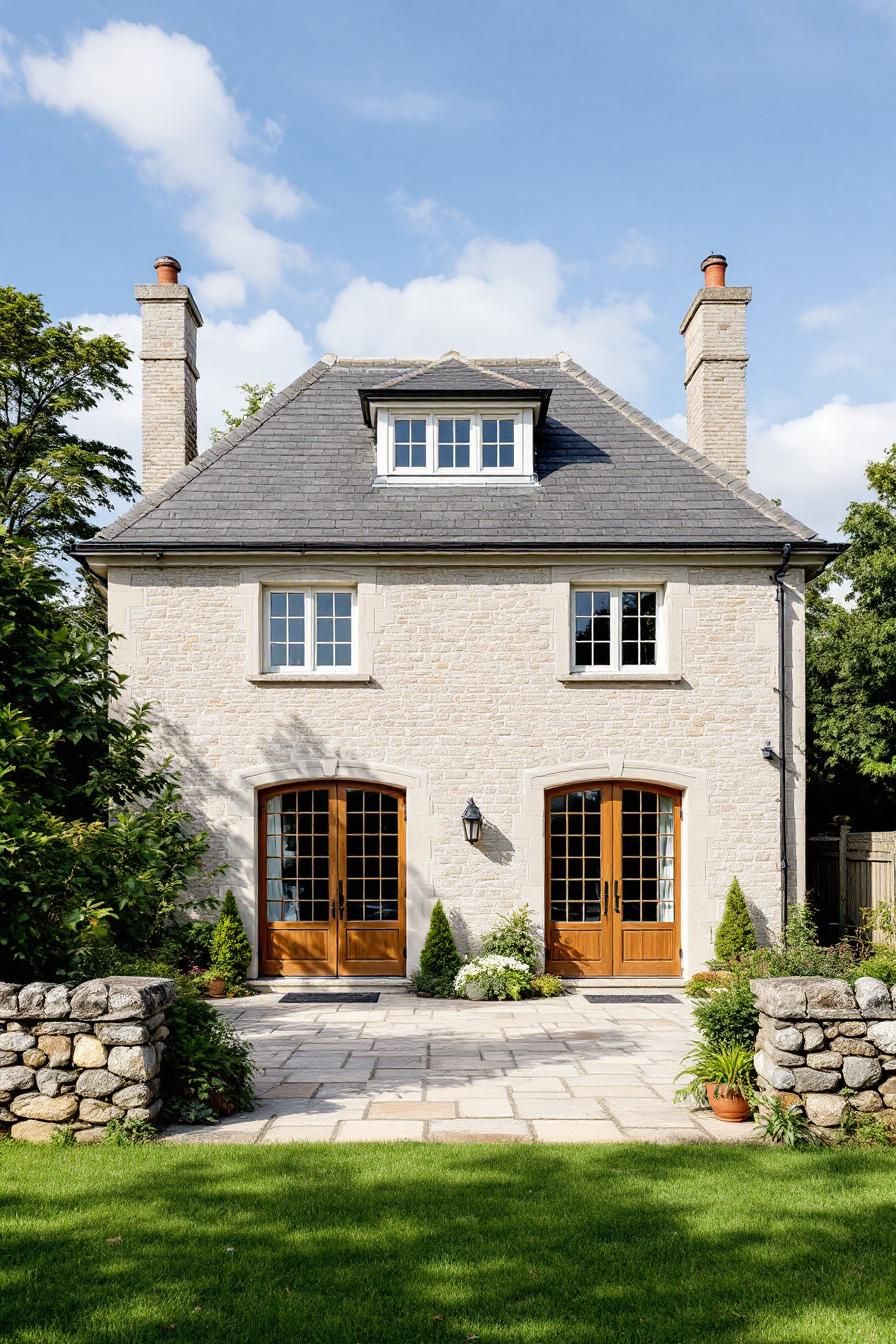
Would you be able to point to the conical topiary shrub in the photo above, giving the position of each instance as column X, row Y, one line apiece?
column 440, row 960
column 231, row 950
column 735, row 934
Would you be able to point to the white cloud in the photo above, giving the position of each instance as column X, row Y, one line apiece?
column 851, row 335
column 266, row 349
column 635, row 251
column 816, row 464
column 427, row 217
column 162, row 96
column 501, row 299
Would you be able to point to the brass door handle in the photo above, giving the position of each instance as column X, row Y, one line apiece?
column 332, row 909
column 616, row 896
column 341, row 900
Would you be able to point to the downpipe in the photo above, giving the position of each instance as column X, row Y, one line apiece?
column 781, row 598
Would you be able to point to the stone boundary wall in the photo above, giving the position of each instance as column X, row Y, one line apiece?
column 77, row 1057
column 828, row 1045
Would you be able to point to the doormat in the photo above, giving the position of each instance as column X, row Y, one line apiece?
column 330, row 998
column 632, row 998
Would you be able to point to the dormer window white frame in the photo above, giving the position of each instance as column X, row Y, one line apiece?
column 455, row 443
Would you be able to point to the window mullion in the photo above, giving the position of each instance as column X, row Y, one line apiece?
column 616, row 628
column 311, row 631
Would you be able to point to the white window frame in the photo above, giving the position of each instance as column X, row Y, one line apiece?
column 521, row 473
column 310, row 667
column 616, row 667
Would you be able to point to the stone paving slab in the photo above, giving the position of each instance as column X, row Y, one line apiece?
column 550, row 1071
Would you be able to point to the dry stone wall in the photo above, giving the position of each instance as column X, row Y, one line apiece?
column 828, row 1045
column 77, row 1057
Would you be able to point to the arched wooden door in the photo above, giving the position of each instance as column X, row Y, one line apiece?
column 612, row 860
column 332, row 880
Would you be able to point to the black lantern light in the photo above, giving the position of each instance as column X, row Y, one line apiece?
column 472, row 819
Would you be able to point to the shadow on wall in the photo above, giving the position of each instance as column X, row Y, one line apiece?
column 495, row 845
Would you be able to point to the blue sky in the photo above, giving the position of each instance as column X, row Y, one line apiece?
column 499, row 177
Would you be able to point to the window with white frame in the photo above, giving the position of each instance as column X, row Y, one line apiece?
column 615, row 628
column 310, row 630
column 455, row 444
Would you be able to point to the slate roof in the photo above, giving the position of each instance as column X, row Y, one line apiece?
column 300, row 475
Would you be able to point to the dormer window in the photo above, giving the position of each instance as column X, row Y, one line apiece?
column 454, row 445
column 455, row 423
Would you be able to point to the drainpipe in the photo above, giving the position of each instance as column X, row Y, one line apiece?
column 781, row 597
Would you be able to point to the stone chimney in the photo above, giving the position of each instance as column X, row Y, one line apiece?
column 715, row 368
column 170, row 323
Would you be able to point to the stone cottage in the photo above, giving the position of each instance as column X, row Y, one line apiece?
column 470, row 628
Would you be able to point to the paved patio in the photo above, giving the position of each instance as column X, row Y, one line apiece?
column 561, row 1070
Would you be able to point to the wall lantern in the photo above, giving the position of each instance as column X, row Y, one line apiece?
column 472, row 819
column 769, row 753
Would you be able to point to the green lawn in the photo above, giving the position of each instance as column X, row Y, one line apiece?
column 382, row 1243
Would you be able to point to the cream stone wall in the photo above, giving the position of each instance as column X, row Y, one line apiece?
column 464, row 698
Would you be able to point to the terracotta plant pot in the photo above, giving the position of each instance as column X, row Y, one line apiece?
column 216, row 989
column 727, row 1103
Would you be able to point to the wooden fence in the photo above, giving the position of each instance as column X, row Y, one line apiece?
column 850, row 872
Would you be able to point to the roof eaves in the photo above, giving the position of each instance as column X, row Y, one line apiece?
column 735, row 484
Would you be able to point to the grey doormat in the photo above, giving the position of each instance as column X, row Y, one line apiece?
column 330, row 998
column 632, row 998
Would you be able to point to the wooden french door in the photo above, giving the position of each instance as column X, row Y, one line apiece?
column 332, row 880
column 612, row 861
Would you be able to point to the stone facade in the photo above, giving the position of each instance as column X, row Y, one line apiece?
column 715, row 353
column 461, row 693
column 168, row 354
column 77, row 1057
column 828, row 1045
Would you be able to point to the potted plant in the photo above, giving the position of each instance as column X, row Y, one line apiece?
column 214, row 982
column 720, row 1075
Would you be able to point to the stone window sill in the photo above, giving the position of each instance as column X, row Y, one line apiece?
column 632, row 678
column 310, row 678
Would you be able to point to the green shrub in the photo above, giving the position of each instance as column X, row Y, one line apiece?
column 188, row 945
column 702, row 983
column 881, row 965
column 231, row 951
column 493, row 977
column 728, row 1016
column 204, row 1060
column 515, row 936
column 799, row 953
column 546, row 986
column 129, row 1130
column 440, row 960
column 735, row 934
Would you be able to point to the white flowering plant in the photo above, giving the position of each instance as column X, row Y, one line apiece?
column 493, row 977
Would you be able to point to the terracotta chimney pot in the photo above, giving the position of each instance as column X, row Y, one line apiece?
column 713, row 268
column 168, row 269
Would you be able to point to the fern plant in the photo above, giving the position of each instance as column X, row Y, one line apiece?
column 728, row 1065
column 785, row 1125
